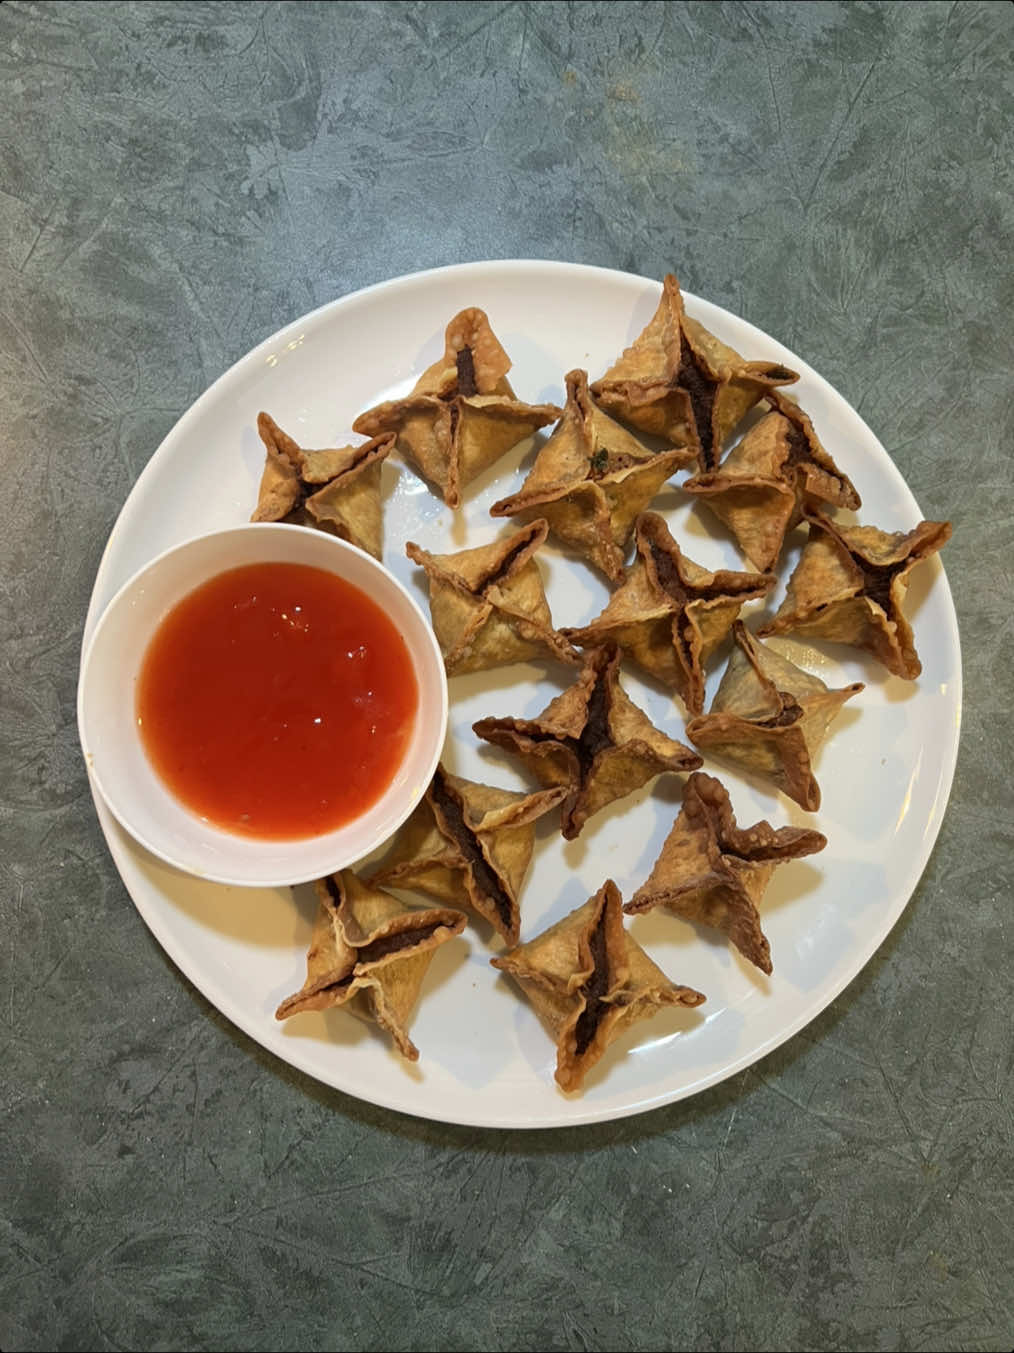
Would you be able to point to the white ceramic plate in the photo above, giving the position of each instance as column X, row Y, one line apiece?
column 885, row 771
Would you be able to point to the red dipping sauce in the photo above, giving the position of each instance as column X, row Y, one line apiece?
column 277, row 701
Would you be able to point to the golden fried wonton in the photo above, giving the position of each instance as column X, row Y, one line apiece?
column 469, row 843
column 488, row 604
column 849, row 585
column 337, row 490
column 711, row 871
column 769, row 717
column 370, row 952
column 589, row 980
column 678, row 381
column 462, row 414
column 670, row 614
column 592, row 740
column 761, row 487
column 590, row 480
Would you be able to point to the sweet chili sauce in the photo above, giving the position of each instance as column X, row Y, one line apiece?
column 277, row 701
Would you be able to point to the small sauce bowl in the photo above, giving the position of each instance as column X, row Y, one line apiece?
column 115, row 753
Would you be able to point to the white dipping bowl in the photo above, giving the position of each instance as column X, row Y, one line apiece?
column 111, row 740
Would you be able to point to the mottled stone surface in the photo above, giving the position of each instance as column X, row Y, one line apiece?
column 176, row 180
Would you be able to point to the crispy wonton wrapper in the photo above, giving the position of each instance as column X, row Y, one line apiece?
column 670, row 614
column 590, row 480
column 488, row 604
column 470, row 843
column 776, row 469
column 769, row 717
column 850, row 583
column 462, row 414
column 592, row 740
column 678, row 381
column 369, row 952
column 589, row 980
column 337, row 490
column 712, row 871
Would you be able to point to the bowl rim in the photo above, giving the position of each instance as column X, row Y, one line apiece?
column 426, row 657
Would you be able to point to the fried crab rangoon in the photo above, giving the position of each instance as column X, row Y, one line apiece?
column 370, row 952
column 337, row 490
column 777, row 468
column 769, row 717
column 669, row 614
column 678, row 381
column 488, row 604
column 470, row 843
column 712, row 871
column 589, row 980
column 462, row 414
column 591, row 485
column 849, row 585
column 590, row 480
column 592, row 741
